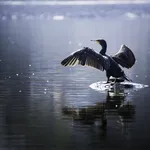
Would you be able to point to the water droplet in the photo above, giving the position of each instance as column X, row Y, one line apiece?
column 9, row 77
column 20, row 91
column 136, row 76
column 116, row 105
column 45, row 89
column 17, row 74
column 47, row 81
column 0, row 60
column 29, row 65
column 29, row 77
column 44, row 92
column 33, row 74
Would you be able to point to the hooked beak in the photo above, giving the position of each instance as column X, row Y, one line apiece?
column 95, row 41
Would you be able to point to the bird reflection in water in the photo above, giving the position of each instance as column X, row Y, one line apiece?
column 115, row 104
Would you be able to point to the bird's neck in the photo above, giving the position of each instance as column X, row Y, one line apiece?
column 103, row 51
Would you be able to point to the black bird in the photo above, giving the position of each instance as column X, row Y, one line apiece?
column 87, row 56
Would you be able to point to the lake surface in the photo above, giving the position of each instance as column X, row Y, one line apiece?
column 44, row 105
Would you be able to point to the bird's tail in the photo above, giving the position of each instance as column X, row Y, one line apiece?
column 126, row 78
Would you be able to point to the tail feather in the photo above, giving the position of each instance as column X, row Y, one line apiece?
column 126, row 78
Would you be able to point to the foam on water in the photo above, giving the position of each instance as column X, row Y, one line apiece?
column 102, row 86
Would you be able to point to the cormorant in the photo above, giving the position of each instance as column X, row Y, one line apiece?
column 87, row 56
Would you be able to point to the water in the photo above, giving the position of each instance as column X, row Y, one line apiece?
column 44, row 105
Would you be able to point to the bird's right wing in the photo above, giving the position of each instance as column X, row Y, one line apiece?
column 86, row 56
column 125, row 57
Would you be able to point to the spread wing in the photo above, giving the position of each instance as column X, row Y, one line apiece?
column 125, row 57
column 88, row 57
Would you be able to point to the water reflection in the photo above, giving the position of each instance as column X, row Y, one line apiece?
column 116, row 104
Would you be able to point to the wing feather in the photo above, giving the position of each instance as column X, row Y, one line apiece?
column 71, row 61
column 125, row 57
column 68, row 60
column 85, row 56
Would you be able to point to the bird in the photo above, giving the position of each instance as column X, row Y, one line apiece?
column 113, row 65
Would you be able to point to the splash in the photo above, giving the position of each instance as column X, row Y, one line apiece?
column 103, row 86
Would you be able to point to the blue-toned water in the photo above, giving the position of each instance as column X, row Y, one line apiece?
column 44, row 105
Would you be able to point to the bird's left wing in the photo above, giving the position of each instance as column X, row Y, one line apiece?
column 125, row 57
column 86, row 56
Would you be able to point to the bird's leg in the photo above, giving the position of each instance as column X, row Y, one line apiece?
column 107, row 80
column 108, row 76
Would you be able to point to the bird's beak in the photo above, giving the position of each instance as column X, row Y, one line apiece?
column 95, row 41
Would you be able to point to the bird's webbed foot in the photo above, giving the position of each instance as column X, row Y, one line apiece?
column 114, row 82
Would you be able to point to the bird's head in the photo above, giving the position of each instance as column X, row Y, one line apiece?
column 102, row 42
